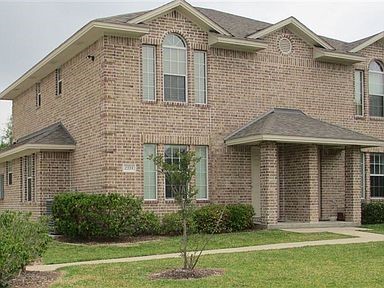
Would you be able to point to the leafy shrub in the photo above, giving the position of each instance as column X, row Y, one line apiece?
column 148, row 224
column 372, row 213
column 172, row 224
column 21, row 242
column 100, row 216
column 234, row 217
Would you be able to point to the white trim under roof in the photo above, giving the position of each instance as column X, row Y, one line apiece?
column 184, row 7
column 365, row 44
column 67, row 50
column 297, row 27
column 334, row 57
column 217, row 41
column 28, row 149
column 255, row 139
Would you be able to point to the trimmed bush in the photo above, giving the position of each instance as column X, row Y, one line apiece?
column 21, row 242
column 96, row 216
column 372, row 213
column 235, row 217
column 172, row 224
column 148, row 224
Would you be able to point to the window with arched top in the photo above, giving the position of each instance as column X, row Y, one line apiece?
column 174, row 68
column 376, row 88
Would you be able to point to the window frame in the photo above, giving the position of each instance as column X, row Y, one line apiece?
column 206, row 172
column 185, row 48
column 375, row 174
column 38, row 95
column 156, row 174
column 165, row 177
column 360, row 72
column 363, row 194
column 29, row 178
column 154, row 47
column 370, row 72
column 9, row 172
column 205, row 76
column 59, row 81
column 2, row 187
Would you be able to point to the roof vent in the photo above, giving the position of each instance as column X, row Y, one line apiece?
column 285, row 46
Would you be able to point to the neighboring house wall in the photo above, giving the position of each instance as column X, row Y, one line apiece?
column 78, row 108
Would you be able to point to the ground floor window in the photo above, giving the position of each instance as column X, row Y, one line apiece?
column 202, row 172
column 28, row 178
column 9, row 168
column 2, row 186
column 362, row 171
column 150, row 174
column 172, row 155
column 377, row 175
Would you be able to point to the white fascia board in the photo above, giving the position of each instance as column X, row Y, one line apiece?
column 332, row 57
column 32, row 148
column 298, row 28
column 183, row 7
column 365, row 44
column 218, row 41
column 67, row 50
column 303, row 140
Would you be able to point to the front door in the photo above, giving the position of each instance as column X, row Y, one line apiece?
column 255, row 170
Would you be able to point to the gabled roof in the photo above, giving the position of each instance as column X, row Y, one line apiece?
column 291, row 125
column 52, row 138
column 185, row 8
column 295, row 26
column 363, row 43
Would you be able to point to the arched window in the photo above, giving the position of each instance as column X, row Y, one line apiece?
column 175, row 68
column 376, row 88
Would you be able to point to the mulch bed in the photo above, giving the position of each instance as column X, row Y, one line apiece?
column 186, row 274
column 30, row 279
column 119, row 241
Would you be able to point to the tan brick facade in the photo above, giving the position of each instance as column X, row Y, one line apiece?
column 102, row 108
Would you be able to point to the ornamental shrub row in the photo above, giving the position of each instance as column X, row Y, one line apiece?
column 107, row 216
column 22, row 240
column 372, row 213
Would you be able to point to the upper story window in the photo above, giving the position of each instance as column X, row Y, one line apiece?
column 148, row 72
column 359, row 92
column 59, row 82
column 200, row 71
column 38, row 95
column 175, row 68
column 376, row 88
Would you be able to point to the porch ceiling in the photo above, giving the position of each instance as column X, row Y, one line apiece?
column 51, row 138
column 294, row 126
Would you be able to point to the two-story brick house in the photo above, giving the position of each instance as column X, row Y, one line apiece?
column 282, row 118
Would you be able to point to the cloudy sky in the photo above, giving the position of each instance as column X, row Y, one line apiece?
column 29, row 30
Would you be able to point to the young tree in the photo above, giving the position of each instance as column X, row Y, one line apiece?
column 7, row 136
column 179, row 175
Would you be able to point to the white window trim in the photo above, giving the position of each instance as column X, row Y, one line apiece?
column 369, row 90
column 186, row 70
column 363, row 195
column 156, row 176
column 374, row 175
column 9, row 171
column 206, row 77
column 58, row 81
column 207, row 160
column 154, row 72
column 361, row 72
column 38, row 95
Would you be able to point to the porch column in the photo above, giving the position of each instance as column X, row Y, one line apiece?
column 269, row 182
column 352, row 185
column 313, row 183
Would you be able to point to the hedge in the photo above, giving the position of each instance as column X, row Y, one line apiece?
column 22, row 240
column 96, row 216
column 372, row 213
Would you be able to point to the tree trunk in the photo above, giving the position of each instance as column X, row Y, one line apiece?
column 185, row 242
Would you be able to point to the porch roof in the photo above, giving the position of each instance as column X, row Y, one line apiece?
column 51, row 138
column 293, row 126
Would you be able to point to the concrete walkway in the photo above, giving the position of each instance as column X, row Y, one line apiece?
column 360, row 234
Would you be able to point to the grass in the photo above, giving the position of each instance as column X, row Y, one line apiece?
column 59, row 252
column 356, row 265
column 376, row 228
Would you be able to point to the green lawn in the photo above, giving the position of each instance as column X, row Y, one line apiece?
column 376, row 228
column 357, row 265
column 61, row 252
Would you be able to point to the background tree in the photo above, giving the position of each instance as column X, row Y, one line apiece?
column 6, row 137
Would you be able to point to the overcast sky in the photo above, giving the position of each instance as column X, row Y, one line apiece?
column 29, row 30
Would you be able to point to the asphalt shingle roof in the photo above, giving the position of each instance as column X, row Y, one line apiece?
column 295, row 123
